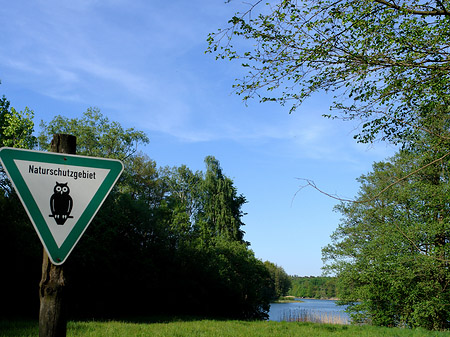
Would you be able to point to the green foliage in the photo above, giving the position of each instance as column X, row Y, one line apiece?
column 96, row 135
column 16, row 127
column 16, row 130
column 205, row 205
column 313, row 287
column 239, row 279
column 221, row 213
column 203, row 213
column 382, row 59
column 280, row 281
column 387, row 64
column 392, row 249
column 165, row 240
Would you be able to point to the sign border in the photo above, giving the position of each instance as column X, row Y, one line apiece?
column 59, row 255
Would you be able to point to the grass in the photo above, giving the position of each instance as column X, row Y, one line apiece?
column 210, row 328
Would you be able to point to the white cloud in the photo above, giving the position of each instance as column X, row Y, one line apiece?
column 144, row 62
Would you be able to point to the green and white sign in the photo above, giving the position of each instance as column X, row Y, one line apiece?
column 60, row 192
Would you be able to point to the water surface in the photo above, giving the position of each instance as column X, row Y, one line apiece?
column 281, row 311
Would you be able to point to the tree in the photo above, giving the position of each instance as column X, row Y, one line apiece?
column 383, row 59
column 96, row 135
column 387, row 64
column 391, row 253
column 184, row 203
column 232, row 270
column 16, row 130
column 16, row 127
column 204, row 205
column 126, row 236
column 222, row 207
column 204, row 214
column 280, row 281
column 22, row 264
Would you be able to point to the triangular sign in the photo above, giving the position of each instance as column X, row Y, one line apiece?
column 60, row 192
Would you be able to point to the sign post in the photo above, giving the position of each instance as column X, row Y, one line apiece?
column 52, row 318
column 61, row 193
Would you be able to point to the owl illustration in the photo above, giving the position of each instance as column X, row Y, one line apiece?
column 61, row 203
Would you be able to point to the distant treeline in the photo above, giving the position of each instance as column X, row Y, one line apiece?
column 313, row 287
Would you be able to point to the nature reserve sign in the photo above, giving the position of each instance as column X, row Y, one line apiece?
column 60, row 192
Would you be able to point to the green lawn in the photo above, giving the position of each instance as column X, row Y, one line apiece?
column 209, row 328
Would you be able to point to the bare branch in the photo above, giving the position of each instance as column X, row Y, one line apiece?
column 434, row 12
column 311, row 183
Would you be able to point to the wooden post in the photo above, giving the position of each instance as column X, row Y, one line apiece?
column 52, row 320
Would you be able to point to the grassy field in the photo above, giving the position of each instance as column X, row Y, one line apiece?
column 209, row 328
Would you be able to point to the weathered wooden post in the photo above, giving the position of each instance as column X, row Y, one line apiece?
column 52, row 319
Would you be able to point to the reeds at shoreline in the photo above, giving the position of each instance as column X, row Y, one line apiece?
column 313, row 316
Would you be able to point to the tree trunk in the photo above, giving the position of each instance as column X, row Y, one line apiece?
column 52, row 320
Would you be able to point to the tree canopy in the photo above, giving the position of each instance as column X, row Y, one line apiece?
column 165, row 241
column 391, row 253
column 16, row 130
column 16, row 127
column 96, row 135
column 384, row 60
column 281, row 283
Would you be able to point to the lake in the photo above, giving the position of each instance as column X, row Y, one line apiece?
column 325, row 311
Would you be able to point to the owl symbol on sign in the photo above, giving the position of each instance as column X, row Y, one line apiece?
column 61, row 203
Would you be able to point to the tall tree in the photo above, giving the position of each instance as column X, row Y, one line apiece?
column 204, row 220
column 391, row 252
column 183, row 200
column 383, row 59
column 222, row 206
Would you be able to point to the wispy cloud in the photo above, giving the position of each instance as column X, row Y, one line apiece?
column 144, row 62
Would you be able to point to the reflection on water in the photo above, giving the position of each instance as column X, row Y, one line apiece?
column 324, row 311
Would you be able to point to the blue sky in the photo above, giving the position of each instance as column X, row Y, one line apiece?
column 143, row 64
